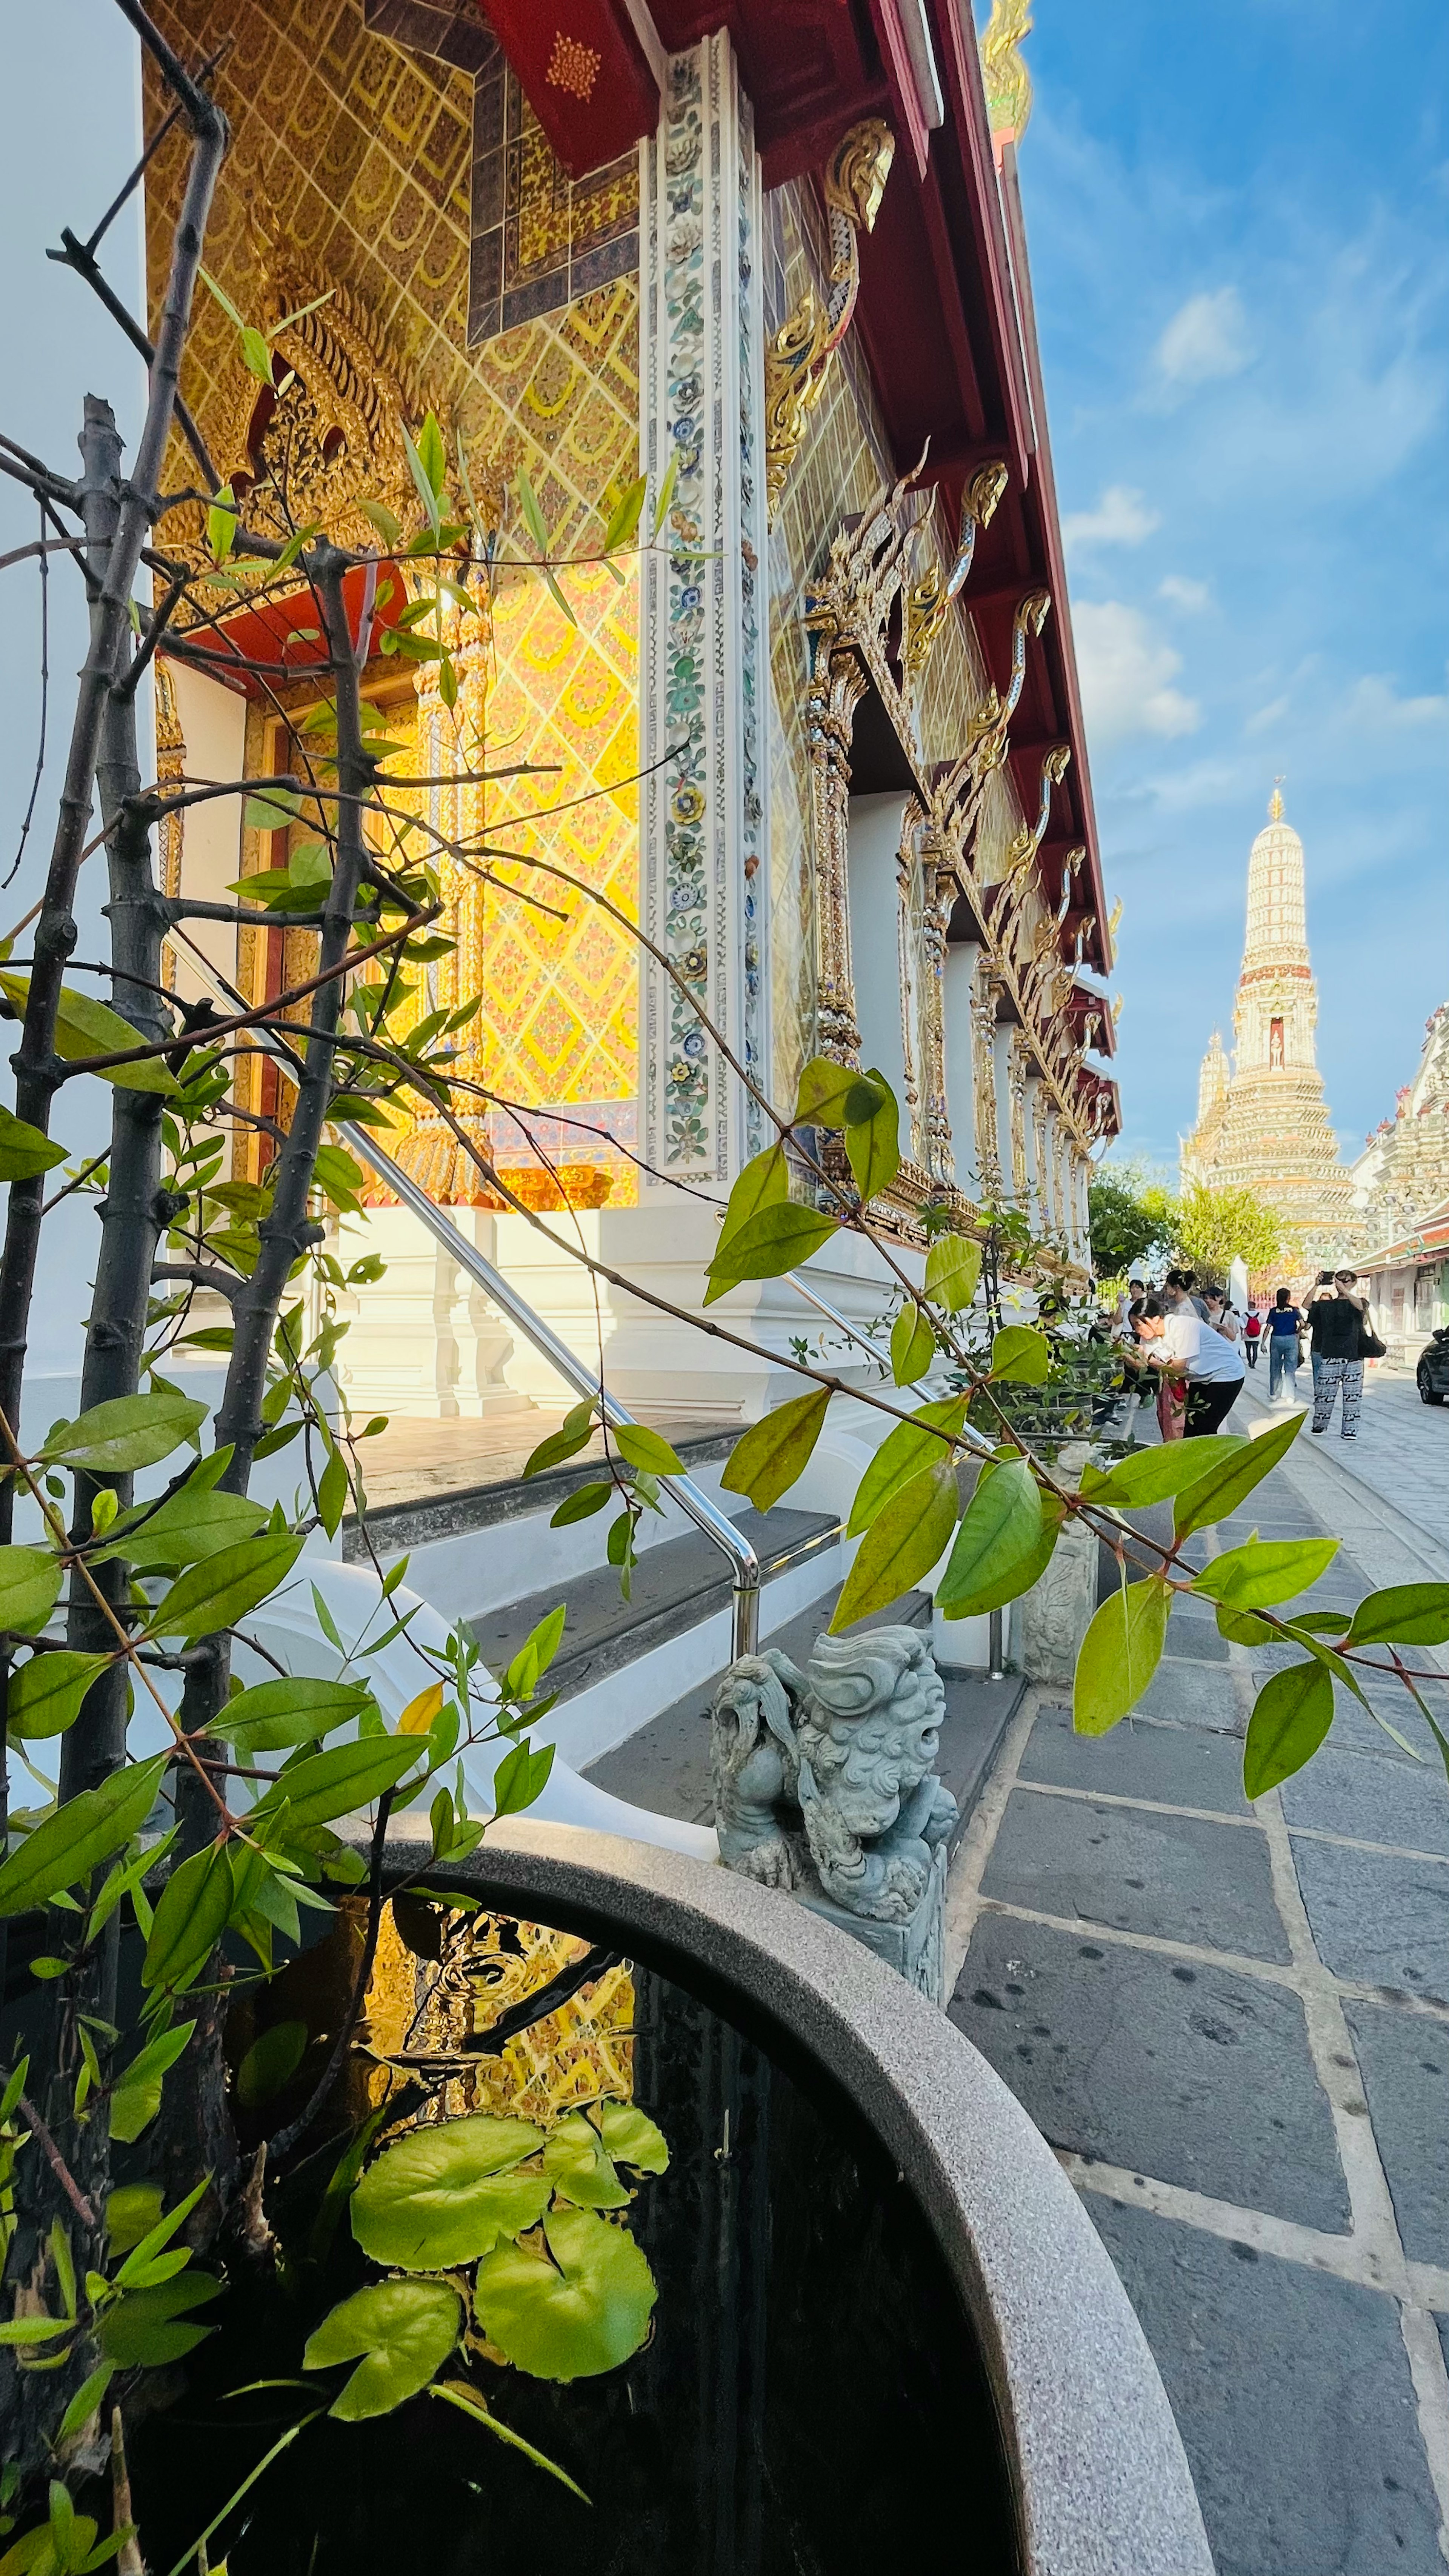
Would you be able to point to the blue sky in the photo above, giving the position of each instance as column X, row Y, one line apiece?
column 1239, row 228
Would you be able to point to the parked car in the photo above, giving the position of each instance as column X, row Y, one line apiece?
column 1433, row 1370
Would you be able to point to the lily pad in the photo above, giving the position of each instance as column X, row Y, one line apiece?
column 582, row 2313
column 446, row 2195
column 578, row 2167
column 400, row 2333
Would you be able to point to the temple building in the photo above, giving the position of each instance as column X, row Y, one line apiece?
column 1264, row 1126
column 820, row 737
column 1401, row 1197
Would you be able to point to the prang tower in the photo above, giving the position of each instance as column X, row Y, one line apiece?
column 1267, row 1127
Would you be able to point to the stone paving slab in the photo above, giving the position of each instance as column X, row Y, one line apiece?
column 1198, row 1638
column 1177, row 1876
column 1294, row 2399
column 1194, row 1695
column 1377, row 1918
column 1288, row 2137
column 1376, row 1801
column 1192, row 2073
column 1179, row 1766
column 1404, row 2061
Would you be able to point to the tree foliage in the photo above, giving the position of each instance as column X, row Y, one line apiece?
column 1134, row 1220
column 1217, row 1226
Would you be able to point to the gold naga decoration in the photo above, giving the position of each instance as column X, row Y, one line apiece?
column 1028, row 841
column 986, row 735
column 1008, row 82
column 928, row 600
column 797, row 358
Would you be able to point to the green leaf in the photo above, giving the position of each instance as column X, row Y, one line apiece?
column 624, row 518
column 1263, row 1571
column 324, row 1785
column 953, row 1271
column 84, row 2403
column 189, row 1527
column 82, row 1833
column 333, row 1491
column 902, row 1543
column 403, row 2331
column 141, row 2328
column 1230, row 1479
column 223, row 299
column 579, row 2169
column 1243, row 1629
column 533, row 518
column 341, row 1176
column 256, row 356
column 221, row 524
column 46, row 1693
column 913, row 1345
column 573, row 1434
column 1021, row 1353
column 1291, row 1716
column 433, row 456
column 631, row 2137
column 132, row 1431
column 1404, row 1614
column 1000, row 1538
column 24, row 1151
column 388, row 527
column 647, row 1449
column 272, row 810
column 136, row 2098
column 161, row 2234
column 1153, row 1475
column 288, row 1711
column 764, row 1182
column 446, row 2194
column 872, row 1135
column 535, row 1654
column 30, row 1582
column 270, row 2063
column 1120, row 1653
column 223, row 1588
column 666, row 492
column 767, row 1244
column 582, row 2313
column 195, row 1904
column 520, row 1778
column 423, row 482
column 821, row 1095
column 84, row 1028
column 132, row 2210
column 773, row 1454
column 902, row 1455
column 581, row 1506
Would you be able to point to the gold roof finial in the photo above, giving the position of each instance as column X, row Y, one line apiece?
column 1275, row 802
column 1008, row 82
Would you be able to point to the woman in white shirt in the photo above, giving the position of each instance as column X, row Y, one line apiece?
column 1221, row 1315
column 1190, row 1349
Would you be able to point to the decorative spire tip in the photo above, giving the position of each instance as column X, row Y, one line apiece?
column 1275, row 802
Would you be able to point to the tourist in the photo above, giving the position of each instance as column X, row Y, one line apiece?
column 1338, row 1326
column 1134, row 1289
column 1221, row 1314
column 1252, row 1335
column 1284, row 1324
column 1197, row 1357
column 1178, row 1291
column 1322, row 1287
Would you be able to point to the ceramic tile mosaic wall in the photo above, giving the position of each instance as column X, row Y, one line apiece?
column 363, row 155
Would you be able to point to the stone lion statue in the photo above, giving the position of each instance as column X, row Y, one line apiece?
column 829, row 1775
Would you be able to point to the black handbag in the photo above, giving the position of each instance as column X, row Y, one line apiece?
column 1369, row 1345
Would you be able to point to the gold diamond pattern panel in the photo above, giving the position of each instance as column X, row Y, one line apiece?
column 359, row 153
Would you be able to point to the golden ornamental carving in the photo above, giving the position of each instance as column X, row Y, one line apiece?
column 1007, row 80
column 170, row 772
column 1021, row 856
column 928, row 600
column 986, row 738
column 797, row 358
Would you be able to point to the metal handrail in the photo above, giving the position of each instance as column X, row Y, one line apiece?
column 973, row 1438
column 693, row 1502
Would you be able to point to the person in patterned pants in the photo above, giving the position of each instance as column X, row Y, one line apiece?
column 1333, row 1374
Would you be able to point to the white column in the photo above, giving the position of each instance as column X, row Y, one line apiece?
column 1036, row 1199
column 957, row 986
column 873, row 850
column 704, row 859
column 1001, row 1066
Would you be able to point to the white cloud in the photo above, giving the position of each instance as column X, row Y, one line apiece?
column 1264, row 719
column 1121, row 518
column 1375, row 707
column 1207, row 337
column 1126, row 671
column 1181, row 592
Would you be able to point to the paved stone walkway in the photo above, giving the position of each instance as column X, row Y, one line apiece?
column 1402, row 1449
column 1232, row 2023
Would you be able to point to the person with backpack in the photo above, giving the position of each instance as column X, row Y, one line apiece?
column 1252, row 1335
